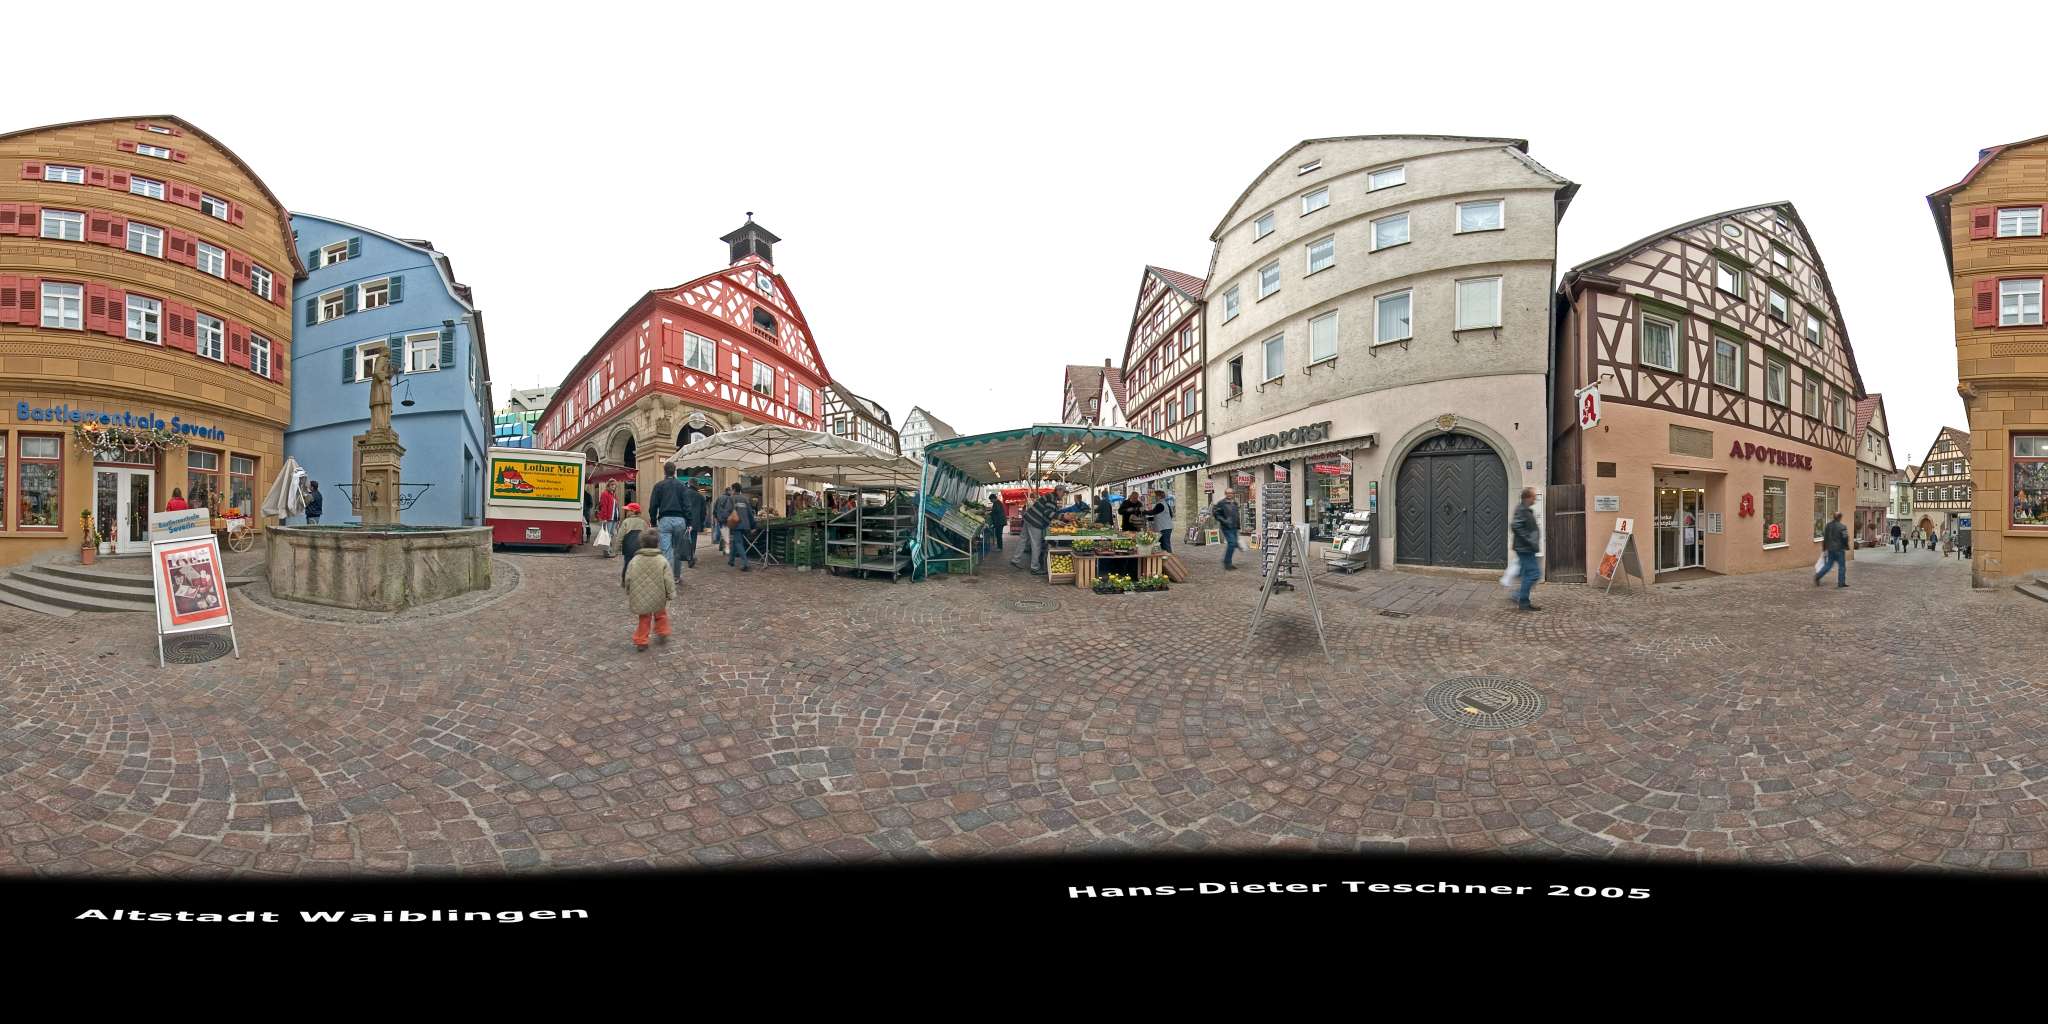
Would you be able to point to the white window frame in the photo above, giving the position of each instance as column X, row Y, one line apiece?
column 1740, row 362
column 1262, row 226
column 1780, row 304
column 1499, row 290
column 64, row 221
column 210, row 340
column 64, row 174
column 694, row 343
column 212, row 259
column 1374, row 184
column 1813, row 331
column 1641, row 349
column 364, row 291
column 207, row 205
column 1725, row 269
column 1267, row 361
column 1780, row 258
column 69, row 302
column 803, row 399
column 2020, row 219
column 1310, row 203
column 144, row 318
column 1311, row 166
column 1378, row 314
column 145, row 149
column 1407, row 230
column 152, row 239
column 365, row 352
column 1315, row 357
column 159, row 129
column 259, row 351
column 429, row 343
column 333, row 254
column 2027, row 286
column 340, row 300
column 1231, row 304
column 1500, row 207
column 148, row 188
column 1275, row 268
column 1309, row 252
column 758, row 381
column 260, row 280
column 1781, row 369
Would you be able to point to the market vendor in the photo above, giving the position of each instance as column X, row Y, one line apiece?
column 1079, row 507
column 1105, row 513
column 1134, row 514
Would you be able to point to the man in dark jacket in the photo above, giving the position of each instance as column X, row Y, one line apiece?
column 1834, row 540
column 669, row 508
column 719, row 511
column 1526, row 534
column 998, row 517
column 1229, row 522
column 313, row 502
column 1105, row 514
column 736, row 533
column 1037, row 516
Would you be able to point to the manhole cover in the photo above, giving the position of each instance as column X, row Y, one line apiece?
column 1035, row 605
column 194, row 650
column 1484, row 702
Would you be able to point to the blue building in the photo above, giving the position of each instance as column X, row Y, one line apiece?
column 363, row 287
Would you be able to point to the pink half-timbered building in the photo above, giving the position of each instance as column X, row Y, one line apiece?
column 1162, row 369
column 1728, row 388
column 726, row 350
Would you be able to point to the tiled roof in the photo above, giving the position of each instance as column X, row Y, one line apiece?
column 1865, row 409
column 1115, row 377
column 1085, row 380
column 1186, row 284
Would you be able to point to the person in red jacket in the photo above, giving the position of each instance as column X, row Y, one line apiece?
column 177, row 502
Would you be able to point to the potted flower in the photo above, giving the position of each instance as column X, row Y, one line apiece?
column 1150, row 584
column 1084, row 546
column 1124, row 545
column 1146, row 544
column 89, row 540
column 1112, row 584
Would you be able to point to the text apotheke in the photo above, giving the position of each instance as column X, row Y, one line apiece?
column 143, row 420
column 1759, row 453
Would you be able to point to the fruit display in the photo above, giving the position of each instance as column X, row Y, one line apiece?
column 1061, row 565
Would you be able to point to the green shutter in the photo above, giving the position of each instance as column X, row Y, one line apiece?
column 394, row 350
column 312, row 311
column 348, row 364
column 397, row 289
column 355, row 248
column 348, row 300
column 312, row 259
column 447, row 348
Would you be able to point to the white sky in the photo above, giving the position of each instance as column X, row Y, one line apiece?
column 968, row 193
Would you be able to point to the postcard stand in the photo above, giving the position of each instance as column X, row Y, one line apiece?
column 1287, row 545
column 190, row 584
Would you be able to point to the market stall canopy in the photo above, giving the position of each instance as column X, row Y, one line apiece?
column 1084, row 455
column 603, row 474
column 807, row 453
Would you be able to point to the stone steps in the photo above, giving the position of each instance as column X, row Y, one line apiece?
column 34, row 605
column 63, row 588
column 2036, row 589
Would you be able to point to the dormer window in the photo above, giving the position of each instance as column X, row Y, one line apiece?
column 764, row 321
column 1312, row 165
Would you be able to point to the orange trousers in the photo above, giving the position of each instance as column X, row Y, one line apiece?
column 658, row 621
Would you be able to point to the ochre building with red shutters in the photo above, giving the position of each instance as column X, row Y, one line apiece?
column 145, row 290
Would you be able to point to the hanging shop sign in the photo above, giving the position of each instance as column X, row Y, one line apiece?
column 1309, row 434
column 1588, row 400
column 1747, row 507
column 1241, row 479
column 1279, row 474
column 66, row 413
column 1759, row 453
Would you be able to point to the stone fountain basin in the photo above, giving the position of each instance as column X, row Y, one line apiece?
column 377, row 568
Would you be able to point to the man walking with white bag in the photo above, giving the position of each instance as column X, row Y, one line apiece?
column 1525, row 571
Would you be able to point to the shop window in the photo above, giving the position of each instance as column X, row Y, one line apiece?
column 1827, row 500
column 242, row 483
column 1773, row 513
column 202, row 477
column 39, row 482
column 2030, row 480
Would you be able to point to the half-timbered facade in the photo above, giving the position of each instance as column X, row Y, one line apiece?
column 1081, row 394
column 725, row 350
column 1943, row 489
column 1875, row 471
column 921, row 428
column 1162, row 372
column 850, row 416
column 1992, row 232
column 1729, row 390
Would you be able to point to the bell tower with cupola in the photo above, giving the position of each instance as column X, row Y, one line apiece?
column 751, row 239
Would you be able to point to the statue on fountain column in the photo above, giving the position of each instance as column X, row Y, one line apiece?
column 380, row 390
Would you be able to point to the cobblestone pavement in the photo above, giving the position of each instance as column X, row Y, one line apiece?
column 803, row 717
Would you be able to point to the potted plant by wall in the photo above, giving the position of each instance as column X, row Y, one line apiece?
column 1146, row 544
column 1084, row 546
column 89, row 539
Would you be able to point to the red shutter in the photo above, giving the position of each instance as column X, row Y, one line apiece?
column 117, row 231
column 1983, row 221
column 182, row 248
column 96, row 176
column 238, row 345
column 180, row 330
column 8, row 287
column 178, row 155
column 279, row 289
column 191, row 197
column 28, row 220
column 28, row 305
column 117, row 312
column 1987, row 302
column 234, row 213
column 6, row 218
column 238, row 269
column 117, row 180
column 96, row 228
column 96, row 308
column 31, row 171
column 125, row 146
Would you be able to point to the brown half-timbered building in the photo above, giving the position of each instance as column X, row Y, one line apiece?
column 1729, row 388
column 1162, row 372
column 1942, row 489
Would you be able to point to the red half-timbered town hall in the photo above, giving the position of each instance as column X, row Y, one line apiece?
column 726, row 350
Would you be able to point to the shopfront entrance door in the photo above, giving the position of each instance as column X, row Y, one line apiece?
column 123, row 500
column 1681, row 533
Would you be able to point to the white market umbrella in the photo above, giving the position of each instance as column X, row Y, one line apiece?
column 811, row 453
column 286, row 497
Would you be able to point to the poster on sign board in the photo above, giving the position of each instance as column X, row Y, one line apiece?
column 191, row 584
column 1620, row 558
